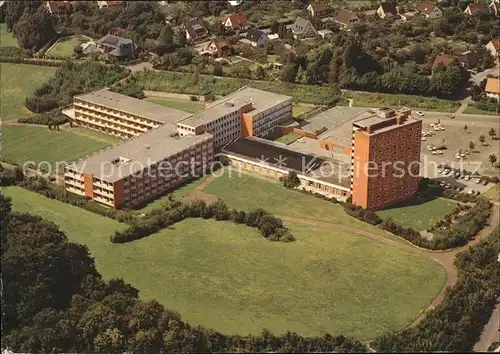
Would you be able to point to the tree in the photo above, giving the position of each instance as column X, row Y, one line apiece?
column 166, row 36
column 291, row 180
column 288, row 73
column 218, row 71
column 482, row 139
column 493, row 158
column 259, row 73
column 472, row 146
column 492, row 133
column 34, row 29
column 465, row 128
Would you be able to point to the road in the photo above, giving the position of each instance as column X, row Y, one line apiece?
column 482, row 75
column 490, row 333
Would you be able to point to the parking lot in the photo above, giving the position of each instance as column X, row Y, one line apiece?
column 462, row 183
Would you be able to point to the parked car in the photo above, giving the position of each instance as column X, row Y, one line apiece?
column 440, row 171
column 485, row 182
column 419, row 113
column 467, row 178
column 478, row 180
column 446, row 171
column 442, row 184
column 423, row 139
column 457, row 175
column 472, row 191
column 448, row 185
column 430, row 147
column 451, row 116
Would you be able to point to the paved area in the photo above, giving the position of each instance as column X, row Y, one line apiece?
column 490, row 333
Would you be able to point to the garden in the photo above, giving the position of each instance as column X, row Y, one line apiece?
column 64, row 47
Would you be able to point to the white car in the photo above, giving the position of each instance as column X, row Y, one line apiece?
column 430, row 147
column 442, row 184
column 478, row 180
column 446, row 171
column 471, row 191
column 437, row 152
column 440, row 171
column 420, row 113
column 467, row 178
column 423, row 139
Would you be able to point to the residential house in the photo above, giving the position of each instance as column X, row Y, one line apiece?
column 467, row 59
column 494, row 7
column 302, row 28
column 407, row 16
column 318, row 9
column 346, row 18
column 494, row 47
column 387, row 10
column 326, row 33
column 256, row 37
column 219, row 46
column 58, row 7
column 237, row 21
column 102, row 4
column 119, row 47
column 429, row 10
column 442, row 61
column 474, row 9
column 492, row 88
column 89, row 47
column 196, row 29
column 235, row 2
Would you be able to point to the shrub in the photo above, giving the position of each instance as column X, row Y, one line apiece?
column 368, row 216
column 291, row 180
column 53, row 117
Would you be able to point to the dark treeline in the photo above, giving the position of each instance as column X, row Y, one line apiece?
column 456, row 324
column 54, row 300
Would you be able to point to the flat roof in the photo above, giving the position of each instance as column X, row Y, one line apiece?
column 131, row 105
column 261, row 101
column 332, row 119
column 281, row 156
column 136, row 153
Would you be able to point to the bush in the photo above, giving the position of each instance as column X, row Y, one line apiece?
column 53, row 117
column 368, row 216
column 291, row 180
column 194, row 98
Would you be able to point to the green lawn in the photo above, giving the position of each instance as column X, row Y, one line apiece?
column 16, row 82
column 183, row 105
column 474, row 110
column 493, row 193
column 31, row 143
column 288, row 138
column 298, row 110
column 6, row 38
column 64, row 47
column 418, row 216
column 226, row 277
column 178, row 194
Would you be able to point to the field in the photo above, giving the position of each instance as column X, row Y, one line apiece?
column 375, row 100
column 288, row 138
column 6, row 38
column 32, row 143
column 16, row 82
column 474, row 110
column 182, row 105
column 493, row 193
column 178, row 194
column 418, row 216
column 226, row 277
column 298, row 110
column 64, row 46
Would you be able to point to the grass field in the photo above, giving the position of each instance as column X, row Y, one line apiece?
column 288, row 138
column 474, row 110
column 225, row 276
column 30, row 143
column 6, row 38
column 178, row 194
column 16, row 82
column 418, row 216
column 297, row 110
column 64, row 47
column 182, row 105
column 493, row 193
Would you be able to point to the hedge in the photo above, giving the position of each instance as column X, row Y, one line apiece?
column 270, row 227
column 53, row 117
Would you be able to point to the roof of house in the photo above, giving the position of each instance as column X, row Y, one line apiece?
column 254, row 34
column 389, row 8
column 492, row 85
column 261, row 100
column 131, row 105
column 442, row 60
column 476, row 7
column 319, row 6
column 137, row 153
column 113, row 3
column 220, row 43
column 426, row 7
column 113, row 41
column 467, row 57
column 195, row 25
column 344, row 16
column 300, row 25
column 56, row 6
column 237, row 20
column 496, row 43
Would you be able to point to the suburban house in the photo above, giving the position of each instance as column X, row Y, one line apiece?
column 494, row 47
column 467, row 59
column 58, row 7
column 474, row 9
column 494, row 7
column 196, row 29
column 102, row 4
column 235, row 2
column 442, row 61
column 318, row 9
column 235, row 21
column 325, row 33
column 89, row 47
column 346, row 18
column 118, row 47
column 429, row 10
column 219, row 46
column 256, row 38
column 492, row 88
column 407, row 16
column 387, row 10
column 302, row 28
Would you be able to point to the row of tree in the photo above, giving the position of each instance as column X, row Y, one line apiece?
column 54, row 300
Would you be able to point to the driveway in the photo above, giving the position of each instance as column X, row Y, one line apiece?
column 482, row 75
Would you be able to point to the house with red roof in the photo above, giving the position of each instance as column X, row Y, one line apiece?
column 430, row 11
column 494, row 47
column 474, row 9
column 58, row 7
column 235, row 21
